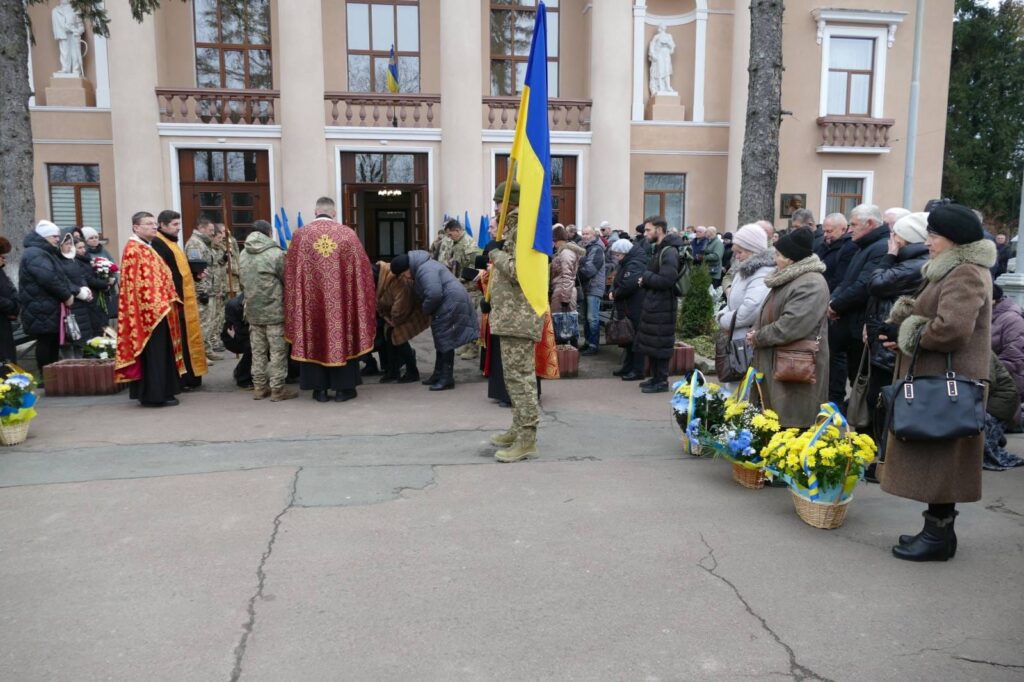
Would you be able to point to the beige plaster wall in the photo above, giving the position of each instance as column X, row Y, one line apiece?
column 46, row 54
column 718, row 67
column 705, row 186
column 801, row 166
column 574, row 50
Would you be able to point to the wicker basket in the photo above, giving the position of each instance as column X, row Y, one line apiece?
column 14, row 433
column 748, row 478
column 828, row 515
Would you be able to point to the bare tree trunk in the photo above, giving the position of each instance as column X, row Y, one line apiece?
column 760, row 162
column 17, row 199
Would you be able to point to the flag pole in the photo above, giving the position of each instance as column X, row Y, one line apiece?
column 509, row 179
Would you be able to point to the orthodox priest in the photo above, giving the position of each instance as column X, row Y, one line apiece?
column 148, row 339
column 329, row 305
column 193, row 350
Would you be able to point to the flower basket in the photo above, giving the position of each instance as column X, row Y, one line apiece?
column 827, row 515
column 13, row 434
column 695, row 450
column 748, row 477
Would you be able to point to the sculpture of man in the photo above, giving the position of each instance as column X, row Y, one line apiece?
column 660, row 53
column 67, row 30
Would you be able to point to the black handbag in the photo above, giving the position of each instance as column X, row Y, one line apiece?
column 619, row 330
column 935, row 408
column 732, row 356
column 858, row 412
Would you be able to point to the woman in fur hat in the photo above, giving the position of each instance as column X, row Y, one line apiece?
column 952, row 314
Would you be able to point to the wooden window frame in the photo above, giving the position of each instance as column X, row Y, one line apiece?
column 244, row 48
column 78, row 186
column 844, row 197
column 662, row 193
column 386, row 54
column 522, row 59
column 850, row 73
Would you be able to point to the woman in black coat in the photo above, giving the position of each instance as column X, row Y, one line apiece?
column 79, row 273
column 42, row 287
column 629, row 300
column 453, row 321
column 656, row 335
column 8, row 308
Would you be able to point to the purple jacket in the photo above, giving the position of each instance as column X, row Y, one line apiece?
column 1008, row 338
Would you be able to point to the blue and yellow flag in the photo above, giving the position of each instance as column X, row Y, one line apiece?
column 531, row 149
column 392, row 73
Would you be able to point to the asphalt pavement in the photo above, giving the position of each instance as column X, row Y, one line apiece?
column 230, row 539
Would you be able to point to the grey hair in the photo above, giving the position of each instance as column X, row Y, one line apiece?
column 836, row 217
column 803, row 216
column 867, row 211
column 897, row 212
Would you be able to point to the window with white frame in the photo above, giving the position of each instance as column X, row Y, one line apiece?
column 842, row 190
column 854, row 45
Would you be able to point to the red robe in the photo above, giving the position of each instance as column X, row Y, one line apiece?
column 147, row 297
column 330, row 297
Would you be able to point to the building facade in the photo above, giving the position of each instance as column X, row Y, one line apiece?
column 236, row 109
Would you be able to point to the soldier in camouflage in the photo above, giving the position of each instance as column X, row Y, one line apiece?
column 261, row 268
column 463, row 255
column 513, row 319
column 200, row 247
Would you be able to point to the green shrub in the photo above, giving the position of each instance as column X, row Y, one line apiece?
column 697, row 312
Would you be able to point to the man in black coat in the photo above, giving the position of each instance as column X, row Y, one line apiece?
column 43, row 287
column 850, row 297
column 655, row 339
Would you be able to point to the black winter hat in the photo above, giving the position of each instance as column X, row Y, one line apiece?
column 956, row 223
column 399, row 264
column 796, row 244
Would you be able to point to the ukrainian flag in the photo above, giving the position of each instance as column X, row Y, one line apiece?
column 531, row 150
column 392, row 73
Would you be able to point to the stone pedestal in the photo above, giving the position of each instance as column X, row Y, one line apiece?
column 1013, row 286
column 72, row 91
column 665, row 107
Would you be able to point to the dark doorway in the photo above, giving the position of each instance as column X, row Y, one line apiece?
column 229, row 186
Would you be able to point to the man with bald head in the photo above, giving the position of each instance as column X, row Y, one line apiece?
column 891, row 215
column 769, row 229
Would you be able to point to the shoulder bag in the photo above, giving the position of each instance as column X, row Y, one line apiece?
column 858, row 412
column 796, row 362
column 619, row 330
column 732, row 357
column 935, row 408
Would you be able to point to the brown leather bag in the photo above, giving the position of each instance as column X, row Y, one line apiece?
column 796, row 362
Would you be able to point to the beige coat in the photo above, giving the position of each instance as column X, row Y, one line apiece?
column 564, row 267
column 953, row 314
column 794, row 310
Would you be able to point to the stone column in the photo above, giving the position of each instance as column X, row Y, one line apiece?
column 134, row 115
column 300, row 110
column 737, row 108
column 461, row 157
column 611, row 89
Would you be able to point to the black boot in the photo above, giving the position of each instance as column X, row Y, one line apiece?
column 934, row 543
column 411, row 374
column 370, row 369
column 432, row 379
column 320, row 395
column 910, row 539
column 446, row 379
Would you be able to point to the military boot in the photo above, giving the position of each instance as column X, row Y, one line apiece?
column 525, row 448
column 283, row 393
column 260, row 392
column 504, row 440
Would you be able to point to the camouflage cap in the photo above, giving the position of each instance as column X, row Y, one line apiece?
column 513, row 195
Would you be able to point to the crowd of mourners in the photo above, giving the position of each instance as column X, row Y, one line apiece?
column 870, row 293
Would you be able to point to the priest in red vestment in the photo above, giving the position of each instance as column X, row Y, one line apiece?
column 330, row 304
column 149, row 354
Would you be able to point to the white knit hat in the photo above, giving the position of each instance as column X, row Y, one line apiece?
column 752, row 238
column 912, row 228
column 44, row 228
column 622, row 246
column 89, row 233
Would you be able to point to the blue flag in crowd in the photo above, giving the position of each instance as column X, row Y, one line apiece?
column 298, row 221
column 469, row 225
column 284, row 226
column 483, row 237
column 280, row 232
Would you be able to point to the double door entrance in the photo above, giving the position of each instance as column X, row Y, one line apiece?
column 227, row 186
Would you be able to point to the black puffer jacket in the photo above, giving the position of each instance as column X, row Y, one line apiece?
column 850, row 298
column 657, row 332
column 90, row 318
column 42, row 286
column 452, row 318
column 8, row 313
column 836, row 257
column 896, row 276
column 629, row 296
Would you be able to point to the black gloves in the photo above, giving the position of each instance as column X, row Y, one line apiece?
column 203, row 298
column 485, row 306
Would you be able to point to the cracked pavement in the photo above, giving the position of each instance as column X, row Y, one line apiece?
column 234, row 540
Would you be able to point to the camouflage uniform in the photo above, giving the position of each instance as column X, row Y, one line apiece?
column 200, row 248
column 463, row 255
column 514, row 320
column 261, row 268
column 219, row 292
